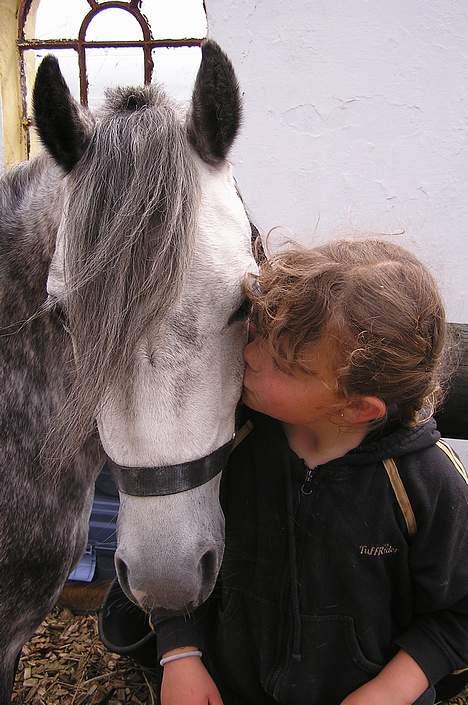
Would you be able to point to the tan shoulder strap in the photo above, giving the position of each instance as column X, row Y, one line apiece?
column 242, row 434
column 401, row 495
column 455, row 460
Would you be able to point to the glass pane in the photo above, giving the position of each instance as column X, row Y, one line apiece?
column 175, row 19
column 113, row 25
column 176, row 69
column 68, row 61
column 108, row 68
column 55, row 19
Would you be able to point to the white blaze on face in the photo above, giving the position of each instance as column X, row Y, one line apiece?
column 189, row 371
column 188, row 382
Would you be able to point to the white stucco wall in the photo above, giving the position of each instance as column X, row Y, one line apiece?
column 356, row 120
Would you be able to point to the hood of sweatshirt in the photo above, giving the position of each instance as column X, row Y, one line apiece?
column 393, row 441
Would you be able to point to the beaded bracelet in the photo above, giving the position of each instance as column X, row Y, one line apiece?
column 176, row 657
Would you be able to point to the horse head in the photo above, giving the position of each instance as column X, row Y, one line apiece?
column 151, row 253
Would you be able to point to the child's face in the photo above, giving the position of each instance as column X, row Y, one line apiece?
column 300, row 398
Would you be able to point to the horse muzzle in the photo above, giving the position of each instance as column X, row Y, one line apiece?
column 171, row 532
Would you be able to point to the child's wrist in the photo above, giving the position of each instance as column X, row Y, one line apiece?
column 388, row 692
column 180, row 654
column 402, row 678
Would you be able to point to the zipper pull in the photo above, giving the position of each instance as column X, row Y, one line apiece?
column 306, row 487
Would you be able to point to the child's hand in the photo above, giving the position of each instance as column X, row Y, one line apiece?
column 187, row 682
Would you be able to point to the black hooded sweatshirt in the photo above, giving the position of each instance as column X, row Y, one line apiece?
column 321, row 585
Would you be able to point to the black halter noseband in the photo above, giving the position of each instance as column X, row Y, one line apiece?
column 172, row 479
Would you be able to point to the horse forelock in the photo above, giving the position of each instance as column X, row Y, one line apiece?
column 128, row 235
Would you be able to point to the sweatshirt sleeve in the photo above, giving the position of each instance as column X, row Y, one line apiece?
column 184, row 630
column 438, row 555
column 173, row 632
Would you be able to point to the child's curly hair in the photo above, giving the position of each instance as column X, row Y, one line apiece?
column 379, row 305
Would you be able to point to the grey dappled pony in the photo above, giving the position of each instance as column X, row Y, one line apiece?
column 130, row 240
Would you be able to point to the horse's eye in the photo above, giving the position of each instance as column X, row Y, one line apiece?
column 241, row 313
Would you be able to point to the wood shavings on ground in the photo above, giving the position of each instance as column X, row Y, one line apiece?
column 462, row 699
column 65, row 663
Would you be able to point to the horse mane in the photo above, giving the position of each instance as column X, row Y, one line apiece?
column 129, row 229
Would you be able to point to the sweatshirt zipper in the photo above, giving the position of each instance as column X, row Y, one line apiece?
column 307, row 485
column 273, row 683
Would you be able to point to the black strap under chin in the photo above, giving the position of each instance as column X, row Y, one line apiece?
column 169, row 479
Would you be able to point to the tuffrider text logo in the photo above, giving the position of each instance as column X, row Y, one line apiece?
column 372, row 551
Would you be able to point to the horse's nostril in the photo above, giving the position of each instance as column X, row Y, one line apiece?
column 208, row 565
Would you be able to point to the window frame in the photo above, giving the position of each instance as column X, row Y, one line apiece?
column 80, row 45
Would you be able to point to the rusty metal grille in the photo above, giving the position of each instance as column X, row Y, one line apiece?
column 80, row 45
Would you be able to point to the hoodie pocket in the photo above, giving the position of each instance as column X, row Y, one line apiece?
column 332, row 664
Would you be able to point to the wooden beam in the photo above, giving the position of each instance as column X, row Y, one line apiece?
column 14, row 142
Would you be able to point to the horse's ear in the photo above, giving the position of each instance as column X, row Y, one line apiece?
column 58, row 117
column 216, row 106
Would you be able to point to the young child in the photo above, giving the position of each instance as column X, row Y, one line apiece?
column 340, row 585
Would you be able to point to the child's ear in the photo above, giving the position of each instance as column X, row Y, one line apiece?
column 364, row 409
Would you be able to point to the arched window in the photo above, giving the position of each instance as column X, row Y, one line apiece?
column 101, row 44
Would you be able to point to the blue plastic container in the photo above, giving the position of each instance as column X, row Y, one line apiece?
column 98, row 559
